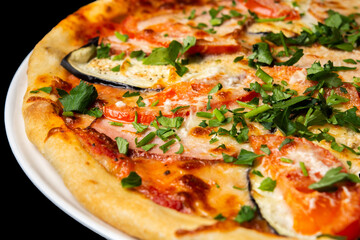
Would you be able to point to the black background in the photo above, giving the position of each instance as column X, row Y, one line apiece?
column 27, row 213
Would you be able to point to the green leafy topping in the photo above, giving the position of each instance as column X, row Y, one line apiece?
column 294, row 59
column 79, row 98
column 245, row 157
column 286, row 160
column 335, row 99
column 220, row 217
column 43, row 89
column 268, row 184
column 216, row 88
column 205, row 115
column 178, row 108
column 263, row 76
column 170, row 55
column 165, row 133
column 238, row 59
column 181, row 149
column 139, row 55
column 131, row 181
column 263, row 20
column 219, row 115
column 148, row 138
column 286, row 141
column 261, row 55
column 95, row 112
column 138, row 126
column 139, row 102
column 264, row 148
column 103, row 51
column 120, row 56
column 257, row 173
column 246, row 214
column 170, row 122
column 349, row 60
column 331, row 178
column 118, row 124
column 130, row 94
column 303, row 169
column 122, row 144
column 149, row 146
column 121, row 37
column 165, row 147
column 257, row 111
column 116, row 68
column 192, row 14
column 338, row 32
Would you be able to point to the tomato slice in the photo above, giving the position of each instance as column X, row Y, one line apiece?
column 173, row 94
column 161, row 30
column 272, row 9
column 335, row 213
column 127, row 114
column 179, row 94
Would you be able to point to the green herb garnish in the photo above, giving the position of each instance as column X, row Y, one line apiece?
column 131, row 181
column 122, row 144
column 267, row 185
column 331, row 178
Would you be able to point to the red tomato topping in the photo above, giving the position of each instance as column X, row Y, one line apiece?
column 272, row 9
column 335, row 213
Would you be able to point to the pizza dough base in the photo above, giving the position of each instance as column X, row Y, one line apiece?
column 97, row 190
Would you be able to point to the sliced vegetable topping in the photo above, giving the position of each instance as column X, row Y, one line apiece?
column 313, row 184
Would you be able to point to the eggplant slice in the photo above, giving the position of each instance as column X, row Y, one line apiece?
column 78, row 63
column 272, row 206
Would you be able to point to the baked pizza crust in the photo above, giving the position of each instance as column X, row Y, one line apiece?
column 96, row 189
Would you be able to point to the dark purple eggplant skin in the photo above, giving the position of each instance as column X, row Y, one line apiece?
column 255, row 203
column 91, row 79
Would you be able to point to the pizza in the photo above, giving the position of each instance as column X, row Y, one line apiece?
column 228, row 119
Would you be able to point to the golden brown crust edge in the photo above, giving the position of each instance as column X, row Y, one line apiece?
column 88, row 181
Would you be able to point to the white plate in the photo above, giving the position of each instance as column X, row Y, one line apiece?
column 38, row 169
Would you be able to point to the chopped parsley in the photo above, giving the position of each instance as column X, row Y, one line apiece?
column 333, row 177
column 121, row 37
column 245, row 157
column 267, row 185
column 43, row 89
column 338, row 32
column 171, row 55
column 79, row 98
column 165, row 147
column 131, row 181
column 122, row 144
column 246, row 214
column 148, row 138
column 138, row 126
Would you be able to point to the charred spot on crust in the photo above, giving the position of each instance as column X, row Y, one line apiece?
column 54, row 131
column 61, row 84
